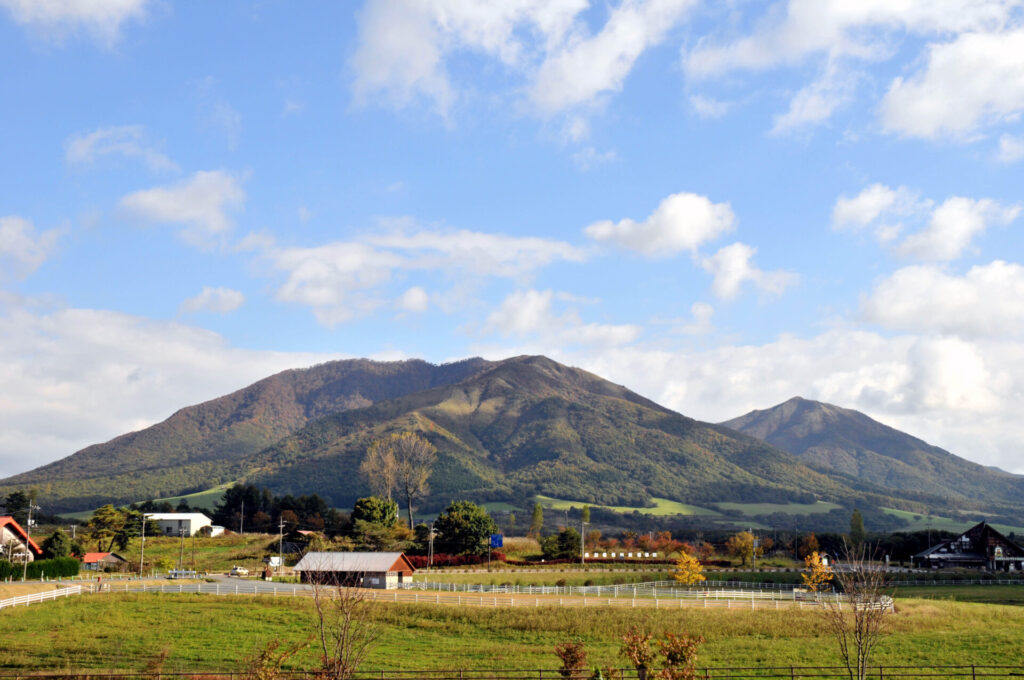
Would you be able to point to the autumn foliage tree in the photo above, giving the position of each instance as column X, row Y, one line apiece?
column 816, row 573
column 741, row 546
column 688, row 570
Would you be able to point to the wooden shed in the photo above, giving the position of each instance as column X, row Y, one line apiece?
column 384, row 570
column 980, row 547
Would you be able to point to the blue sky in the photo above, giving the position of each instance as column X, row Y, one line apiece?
column 718, row 205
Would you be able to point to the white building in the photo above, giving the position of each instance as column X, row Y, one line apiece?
column 174, row 523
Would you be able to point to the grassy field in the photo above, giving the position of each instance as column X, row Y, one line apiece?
column 752, row 509
column 218, row 633
column 921, row 522
column 1010, row 595
column 662, row 506
column 211, row 554
column 200, row 499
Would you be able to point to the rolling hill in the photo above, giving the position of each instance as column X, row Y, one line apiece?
column 210, row 443
column 867, row 455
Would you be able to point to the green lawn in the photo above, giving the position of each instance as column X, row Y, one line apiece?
column 208, row 633
column 211, row 554
column 920, row 522
column 1013, row 595
column 752, row 509
column 200, row 499
column 662, row 506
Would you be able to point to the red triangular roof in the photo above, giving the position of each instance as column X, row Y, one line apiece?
column 93, row 557
column 16, row 528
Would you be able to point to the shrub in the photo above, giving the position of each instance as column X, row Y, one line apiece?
column 573, row 657
column 680, row 654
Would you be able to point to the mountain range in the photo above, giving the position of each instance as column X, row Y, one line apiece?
column 510, row 430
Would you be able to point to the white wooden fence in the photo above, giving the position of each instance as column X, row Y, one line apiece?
column 32, row 598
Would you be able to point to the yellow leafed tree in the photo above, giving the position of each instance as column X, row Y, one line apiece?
column 817, row 573
column 688, row 570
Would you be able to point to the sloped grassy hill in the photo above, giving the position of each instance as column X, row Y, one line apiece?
column 213, row 442
column 868, row 455
column 529, row 425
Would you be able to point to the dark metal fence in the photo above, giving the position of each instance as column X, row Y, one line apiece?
column 916, row 672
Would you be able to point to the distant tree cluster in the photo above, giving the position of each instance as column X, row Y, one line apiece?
column 245, row 507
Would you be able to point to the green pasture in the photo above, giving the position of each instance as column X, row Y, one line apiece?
column 997, row 594
column 662, row 506
column 201, row 499
column 753, row 509
column 919, row 522
column 218, row 553
column 209, row 633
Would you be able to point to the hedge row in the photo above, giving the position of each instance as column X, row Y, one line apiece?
column 445, row 560
column 57, row 567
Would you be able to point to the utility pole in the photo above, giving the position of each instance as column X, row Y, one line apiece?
column 181, row 546
column 73, row 527
column 241, row 519
column 583, row 542
column 280, row 543
column 28, row 540
column 430, row 550
column 142, row 552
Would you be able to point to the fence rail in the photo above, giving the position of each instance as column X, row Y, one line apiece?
column 32, row 598
column 656, row 589
column 962, row 672
column 712, row 600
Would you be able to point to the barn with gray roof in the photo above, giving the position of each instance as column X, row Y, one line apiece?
column 383, row 570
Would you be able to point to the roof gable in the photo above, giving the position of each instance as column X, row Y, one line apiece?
column 354, row 562
column 11, row 525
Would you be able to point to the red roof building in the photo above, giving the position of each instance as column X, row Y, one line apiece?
column 13, row 539
column 97, row 561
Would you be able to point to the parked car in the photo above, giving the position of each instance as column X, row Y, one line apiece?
column 239, row 571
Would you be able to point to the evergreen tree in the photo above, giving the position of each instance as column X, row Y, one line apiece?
column 57, row 544
column 585, row 514
column 537, row 521
column 857, row 532
column 464, row 527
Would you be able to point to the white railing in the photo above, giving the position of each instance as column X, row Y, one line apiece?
column 32, row 598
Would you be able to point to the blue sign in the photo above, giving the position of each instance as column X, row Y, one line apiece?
column 496, row 540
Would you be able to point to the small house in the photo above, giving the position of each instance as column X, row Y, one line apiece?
column 180, row 523
column 15, row 543
column 103, row 561
column 384, row 570
column 980, row 547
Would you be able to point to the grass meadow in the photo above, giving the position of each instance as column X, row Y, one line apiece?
column 209, row 633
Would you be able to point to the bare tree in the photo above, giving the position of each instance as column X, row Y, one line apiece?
column 401, row 461
column 859, row 620
column 345, row 628
column 416, row 457
column 380, row 467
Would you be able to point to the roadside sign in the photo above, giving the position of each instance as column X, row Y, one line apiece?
column 496, row 540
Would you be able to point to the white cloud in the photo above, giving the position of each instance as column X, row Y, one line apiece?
column 589, row 157
column 1011, row 148
column 475, row 252
column 200, row 203
column 987, row 301
column 414, row 299
column 334, row 279
column 74, row 377
column 585, row 68
column 101, row 18
column 957, row 394
column 816, row 102
column 944, row 231
column 22, row 250
column 791, row 31
column 701, row 323
column 347, row 279
column 973, row 81
column 953, row 225
column 217, row 300
column 531, row 314
column 709, row 107
column 126, row 140
column 681, row 222
column 404, row 48
column 732, row 266
column 839, row 32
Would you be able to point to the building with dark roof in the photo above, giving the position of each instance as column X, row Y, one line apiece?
column 980, row 547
